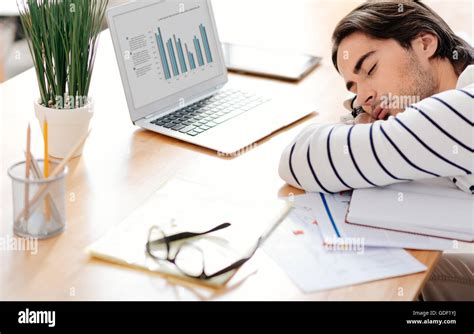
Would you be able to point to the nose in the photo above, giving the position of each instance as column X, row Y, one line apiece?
column 365, row 98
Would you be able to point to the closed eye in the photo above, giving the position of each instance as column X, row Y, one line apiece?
column 371, row 69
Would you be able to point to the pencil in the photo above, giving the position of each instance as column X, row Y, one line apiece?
column 35, row 168
column 46, row 164
column 27, row 172
column 41, row 193
column 46, row 161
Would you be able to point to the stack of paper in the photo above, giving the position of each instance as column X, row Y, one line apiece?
column 435, row 208
column 319, row 249
column 330, row 212
column 297, row 246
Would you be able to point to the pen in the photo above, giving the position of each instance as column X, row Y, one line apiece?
column 463, row 185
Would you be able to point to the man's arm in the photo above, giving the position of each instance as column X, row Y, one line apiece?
column 432, row 138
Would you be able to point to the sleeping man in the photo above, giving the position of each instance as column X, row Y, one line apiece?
column 414, row 81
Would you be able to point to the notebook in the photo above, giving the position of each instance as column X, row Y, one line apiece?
column 181, row 205
column 429, row 207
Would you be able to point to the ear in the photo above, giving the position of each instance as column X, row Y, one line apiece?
column 425, row 44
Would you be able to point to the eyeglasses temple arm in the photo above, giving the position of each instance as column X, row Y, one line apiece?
column 187, row 235
column 236, row 264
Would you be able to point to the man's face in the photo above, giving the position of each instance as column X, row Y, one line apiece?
column 385, row 76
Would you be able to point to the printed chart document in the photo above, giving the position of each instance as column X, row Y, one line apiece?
column 330, row 213
column 297, row 246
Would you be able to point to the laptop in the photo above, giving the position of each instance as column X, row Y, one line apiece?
column 176, row 83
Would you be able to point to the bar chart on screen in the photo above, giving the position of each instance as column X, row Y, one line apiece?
column 168, row 47
column 174, row 51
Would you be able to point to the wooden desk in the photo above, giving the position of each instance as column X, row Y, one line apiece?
column 122, row 165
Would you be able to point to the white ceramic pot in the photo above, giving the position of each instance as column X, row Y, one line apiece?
column 65, row 127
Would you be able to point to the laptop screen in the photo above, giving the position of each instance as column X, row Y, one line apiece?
column 167, row 47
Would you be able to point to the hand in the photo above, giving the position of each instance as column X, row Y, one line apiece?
column 381, row 113
column 364, row 118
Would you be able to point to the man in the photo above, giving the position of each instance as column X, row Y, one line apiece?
column 414, row 79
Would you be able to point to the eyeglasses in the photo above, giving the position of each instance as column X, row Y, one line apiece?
column 188, row 258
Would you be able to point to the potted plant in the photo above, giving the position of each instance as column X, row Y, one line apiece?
column 62, row 37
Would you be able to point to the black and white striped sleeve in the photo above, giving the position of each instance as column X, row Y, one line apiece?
column 432, row 138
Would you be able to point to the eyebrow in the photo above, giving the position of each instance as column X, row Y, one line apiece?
column 358, row 66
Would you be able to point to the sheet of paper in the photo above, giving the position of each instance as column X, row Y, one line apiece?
column 186, row 206
column 336, row 230
column 297, row 246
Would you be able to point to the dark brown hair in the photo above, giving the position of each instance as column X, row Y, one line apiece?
column 403, row 21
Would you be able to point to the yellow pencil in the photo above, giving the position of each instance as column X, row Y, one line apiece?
column 46, row 165
column 42, row 191
column 46, row 160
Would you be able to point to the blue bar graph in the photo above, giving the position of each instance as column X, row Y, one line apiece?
column 190, row 57
column 173, row 53
column 164, row 60
column 172, row 57
column 197, row 46
column 205, row 41
column 182, row 62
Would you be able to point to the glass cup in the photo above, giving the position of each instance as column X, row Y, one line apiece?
column 39, row 205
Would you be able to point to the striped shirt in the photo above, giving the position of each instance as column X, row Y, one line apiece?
column 431, row 138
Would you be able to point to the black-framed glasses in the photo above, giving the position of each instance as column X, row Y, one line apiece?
column 188, row 258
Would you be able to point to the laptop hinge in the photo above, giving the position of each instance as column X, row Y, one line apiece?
column 182, row 103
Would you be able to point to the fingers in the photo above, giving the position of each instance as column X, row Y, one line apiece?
column 364, row 118
column 380, row 112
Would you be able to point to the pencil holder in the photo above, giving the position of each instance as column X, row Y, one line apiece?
column 39, row 205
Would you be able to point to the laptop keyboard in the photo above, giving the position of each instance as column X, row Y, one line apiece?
column 210, row 112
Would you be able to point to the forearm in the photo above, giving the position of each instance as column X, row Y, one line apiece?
column 331, row 158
